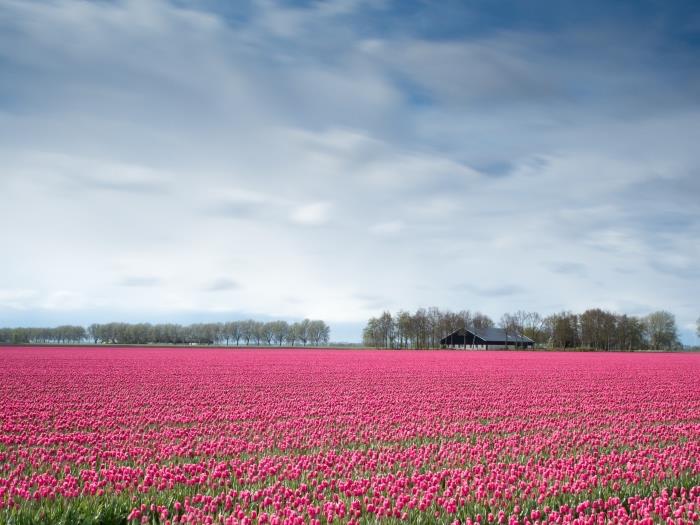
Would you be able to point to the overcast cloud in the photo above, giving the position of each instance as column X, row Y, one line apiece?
column 193, row 160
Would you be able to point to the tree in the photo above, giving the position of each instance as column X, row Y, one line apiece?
column 387, row 330
column 597, row 329
column 563, row 330
column 319, row 332
column 232, row 331
column 258, row 329
column 325, row 334
column 481, row 321
column 629, row 332
column 146, row 333
column 371, row 334
column 509, row 323
column 247, row 330
column 292, row 334
column 279, row 330
column 421, row 325
column 404, row 329
column 303, row 331
column 437, row 321
column 661, row 331
column 533, row 326
column 518, row 320
column 423, row 329
column 267, row 331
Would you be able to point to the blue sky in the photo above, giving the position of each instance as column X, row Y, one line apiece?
column 193, row 160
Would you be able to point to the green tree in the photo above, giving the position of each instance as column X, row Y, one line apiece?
column 661, row 330
column 563, row 330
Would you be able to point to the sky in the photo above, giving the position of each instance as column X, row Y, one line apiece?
column 199, row 160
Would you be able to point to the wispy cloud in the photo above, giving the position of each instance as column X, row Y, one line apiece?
column 387, row 228
column 568, row 268
column 221, row 285
column 373, row 302
column 234, row 209
column 493, row 291
column 119, row 182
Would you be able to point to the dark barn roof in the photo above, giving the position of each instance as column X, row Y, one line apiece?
column 499, row 334
column 491, row 336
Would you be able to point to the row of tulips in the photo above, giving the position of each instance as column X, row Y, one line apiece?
column 329, row 436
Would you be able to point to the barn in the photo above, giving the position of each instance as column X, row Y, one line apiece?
column 485, row 338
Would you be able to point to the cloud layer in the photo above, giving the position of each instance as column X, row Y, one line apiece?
column 191, row 159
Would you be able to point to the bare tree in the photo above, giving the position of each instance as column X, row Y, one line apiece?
column 387, row 329
column 563, row 330
column 629, row 333
column 533, row 327
column 509, row 324
column 404, row 329
column 596, row 328
column 481, row 321
column 421, row 325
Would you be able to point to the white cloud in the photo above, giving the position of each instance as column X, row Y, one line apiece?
column 17, row 299
column 64, row 300
column 313, row 214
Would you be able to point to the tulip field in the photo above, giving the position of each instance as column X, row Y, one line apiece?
column 273, row 436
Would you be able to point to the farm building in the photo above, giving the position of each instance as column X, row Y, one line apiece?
column 485, row 338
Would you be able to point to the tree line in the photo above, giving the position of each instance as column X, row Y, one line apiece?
column 423, row 329
column 594, row 329
column 247, row 332
column 59, row 334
